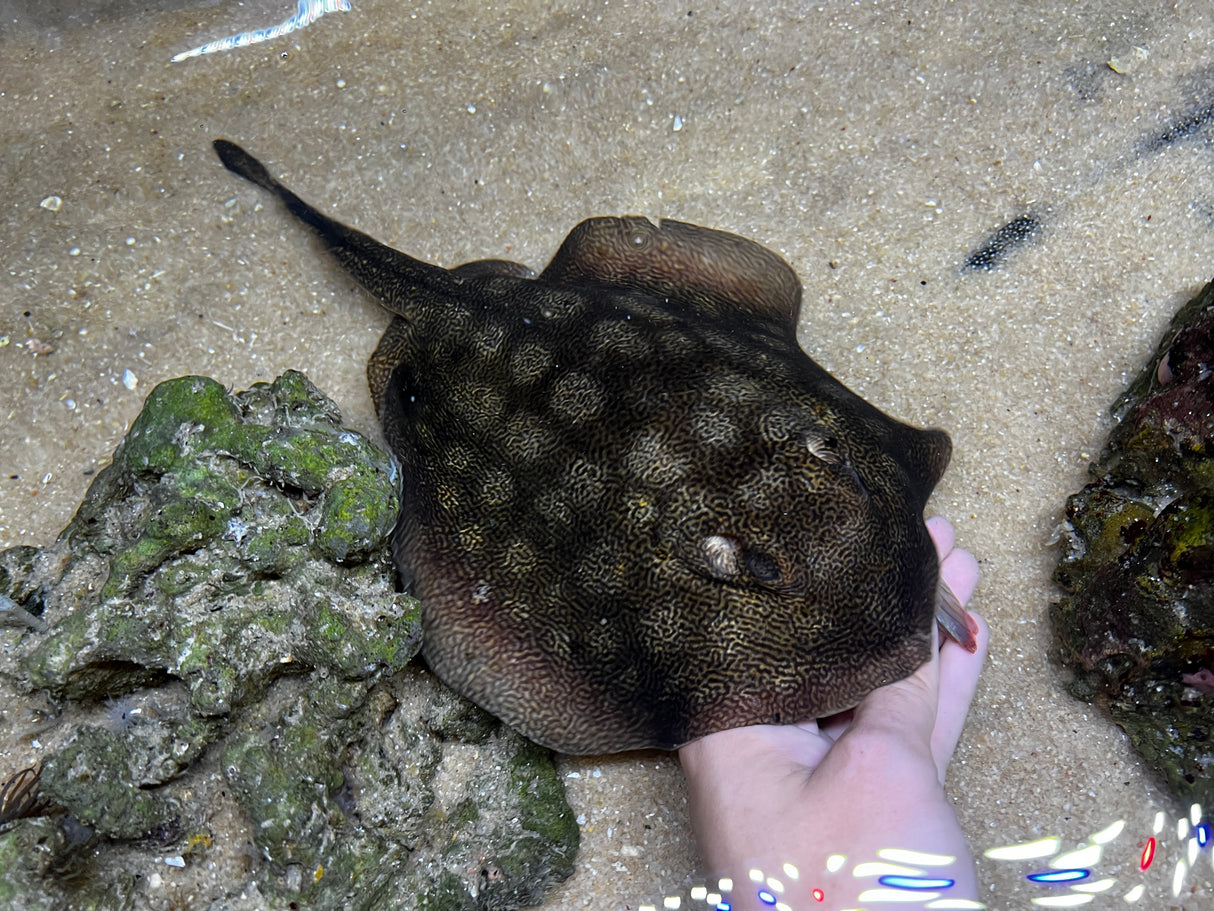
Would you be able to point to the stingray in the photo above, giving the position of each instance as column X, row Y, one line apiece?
column 634, row 511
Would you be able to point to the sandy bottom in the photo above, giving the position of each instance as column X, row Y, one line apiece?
column 874, row 146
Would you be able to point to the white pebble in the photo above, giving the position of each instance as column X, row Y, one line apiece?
column 51, row 202
column 678, row 123
column 175, row 861
column 129, row 380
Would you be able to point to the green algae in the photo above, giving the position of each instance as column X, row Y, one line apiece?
column 227, row 655
column 90, row 773
column 285, row 783
column 539, row 797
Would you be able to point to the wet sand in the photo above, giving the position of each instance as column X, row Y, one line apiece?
column 874, row 146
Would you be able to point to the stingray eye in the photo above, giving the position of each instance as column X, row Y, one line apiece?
column 722, row 556
column 762, row 567
column 822, row 445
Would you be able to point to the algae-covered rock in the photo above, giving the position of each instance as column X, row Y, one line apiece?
column 217, row 557
column 213, row 663
column 1135, row 629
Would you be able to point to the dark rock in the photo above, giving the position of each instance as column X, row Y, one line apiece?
column 1135, row 629
column 231, row 701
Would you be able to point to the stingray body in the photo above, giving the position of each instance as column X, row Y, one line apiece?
column 635, row 511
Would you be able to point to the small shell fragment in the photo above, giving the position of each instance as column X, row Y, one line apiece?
column 37, row 346
column 1125, row 66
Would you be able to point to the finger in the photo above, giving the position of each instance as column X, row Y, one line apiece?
column 960, row 572
column 915, row 701
column 941, row 530
column 958, row 577
column 809, row 727
column 958, row 679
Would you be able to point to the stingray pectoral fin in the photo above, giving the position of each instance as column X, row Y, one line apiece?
column 717, row 273
column 394, row 277
column 924, row 453
column 955, row 619
column 492, row 268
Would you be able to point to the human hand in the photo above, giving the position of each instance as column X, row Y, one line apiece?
column 851, row 785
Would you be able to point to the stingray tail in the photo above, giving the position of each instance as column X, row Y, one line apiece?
column 394, row 277
column 954, row 619
column 240, row 162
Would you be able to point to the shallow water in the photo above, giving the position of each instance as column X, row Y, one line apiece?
column 876, row 147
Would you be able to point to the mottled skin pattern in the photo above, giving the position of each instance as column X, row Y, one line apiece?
column 635, row 511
